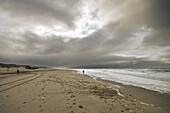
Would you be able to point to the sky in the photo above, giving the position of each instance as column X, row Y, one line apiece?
column 86, row 33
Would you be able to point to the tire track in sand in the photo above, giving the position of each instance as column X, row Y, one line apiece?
column 20, row 83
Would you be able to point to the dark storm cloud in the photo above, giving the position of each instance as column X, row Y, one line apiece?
column 53, row 51
column 159, row 37
column 157, row 18
column 41, row 11
column 158, row 14
column 153, row 14
column 118, row 43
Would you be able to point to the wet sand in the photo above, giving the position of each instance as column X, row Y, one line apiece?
column 64, row 91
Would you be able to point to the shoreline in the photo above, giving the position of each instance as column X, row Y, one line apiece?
column 138, row 93
column 64, row 91
column 153, row 81
column 152, row 97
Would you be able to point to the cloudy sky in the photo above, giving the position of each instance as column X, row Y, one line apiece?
column 85, row 33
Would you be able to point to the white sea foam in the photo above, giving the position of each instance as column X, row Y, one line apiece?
column 156, row 80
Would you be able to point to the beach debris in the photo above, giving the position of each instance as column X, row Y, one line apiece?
column 159, row 107
column 116, row 86
column 109, row 87
column 130, row 110
column 103, row 92
column 144, row 103
column 94, row 78
column 147, row 104
column 152, row 105
column 134, row 99
column 120, row 94
column 43, row 98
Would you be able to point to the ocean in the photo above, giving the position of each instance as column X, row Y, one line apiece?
column 152, row 79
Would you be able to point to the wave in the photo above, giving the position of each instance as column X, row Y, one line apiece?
column 152, row 79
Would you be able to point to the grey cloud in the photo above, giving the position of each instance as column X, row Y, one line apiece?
column 103, row 47
column 160, row 37
column 153, row 14
column 35, row 44
column 157, row 13
column 41, row 11
column 53, row 51
column 76, row 51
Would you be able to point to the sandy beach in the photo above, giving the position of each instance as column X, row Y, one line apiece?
column 64, row 91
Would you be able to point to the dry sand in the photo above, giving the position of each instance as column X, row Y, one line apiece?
column 63, row 91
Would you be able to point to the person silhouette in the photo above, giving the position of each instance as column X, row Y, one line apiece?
column 83, row 71
column 7, row 69
column 17, row 71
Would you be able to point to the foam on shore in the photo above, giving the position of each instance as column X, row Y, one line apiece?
column 146, row 78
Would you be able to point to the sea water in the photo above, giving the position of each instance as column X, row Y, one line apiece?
column 152, row 79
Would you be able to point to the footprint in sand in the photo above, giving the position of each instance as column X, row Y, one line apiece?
column 122, row 111
column 80, row 106
column 42, row 94
column 72, row 96
column 128, row 109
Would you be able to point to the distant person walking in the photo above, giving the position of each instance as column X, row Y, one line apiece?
column 17, row 71
column 83, row 71
column 7, row 69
